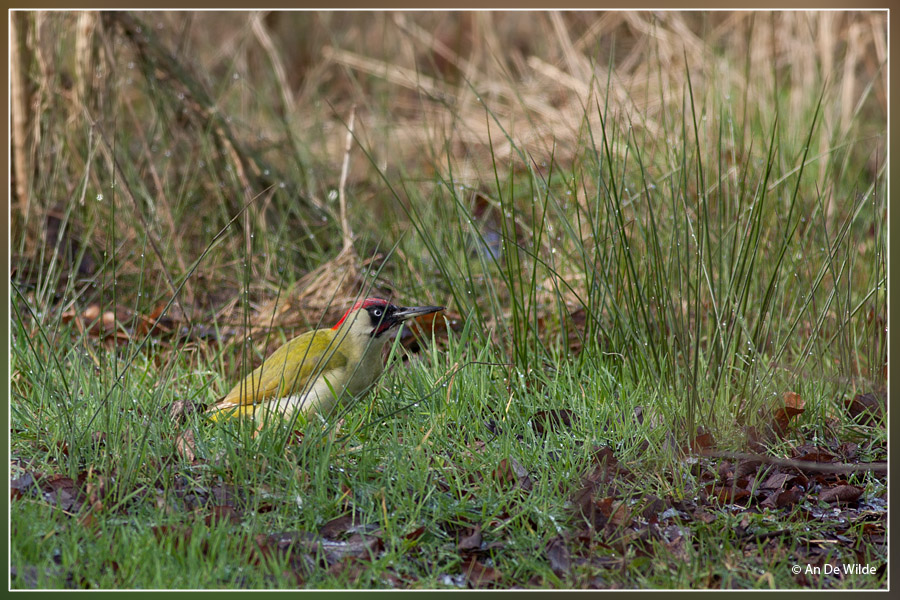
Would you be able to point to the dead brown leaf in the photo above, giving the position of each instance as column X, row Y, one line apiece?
column 471, row 541
column 783, row 499
column 841, row 493
column 794, row 400
column 60, row 491
column 777, row 481
column 746, row 467
column 866, row 409
column 794, row 405
column 652, row 507
column 677, row 548
column 703, row 441
column 179, row 410
column 558, row 556
column 511, row 471
column 605, row 471
column 616, row 513
column 96, row 490
column 22, row 486
column 704, row 516
column 185, row 445
column 415, row 533
column 816, row 455
column 754, row 441
column 727, row 494
column 479, row 575
column 336, row 528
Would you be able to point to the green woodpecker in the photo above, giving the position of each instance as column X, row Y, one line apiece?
column 312, row 371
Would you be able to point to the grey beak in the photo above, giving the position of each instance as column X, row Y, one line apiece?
column 405, row 313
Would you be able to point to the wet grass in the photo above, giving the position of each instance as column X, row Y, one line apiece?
column 637, row 270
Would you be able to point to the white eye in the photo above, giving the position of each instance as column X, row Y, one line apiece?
column 377, row 313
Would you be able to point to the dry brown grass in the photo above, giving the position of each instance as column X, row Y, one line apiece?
column 253, row 91
column 537, row 71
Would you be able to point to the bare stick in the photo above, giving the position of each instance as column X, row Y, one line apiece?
column 345, row 227
column 805, row 465
column 19, row 105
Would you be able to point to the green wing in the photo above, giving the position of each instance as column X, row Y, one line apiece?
column 287, row 371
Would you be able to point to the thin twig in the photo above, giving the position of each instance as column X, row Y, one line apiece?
column 805, row 465
column 345, row 167
column 18, row 62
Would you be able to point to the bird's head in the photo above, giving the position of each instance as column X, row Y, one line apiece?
column 374, row 317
